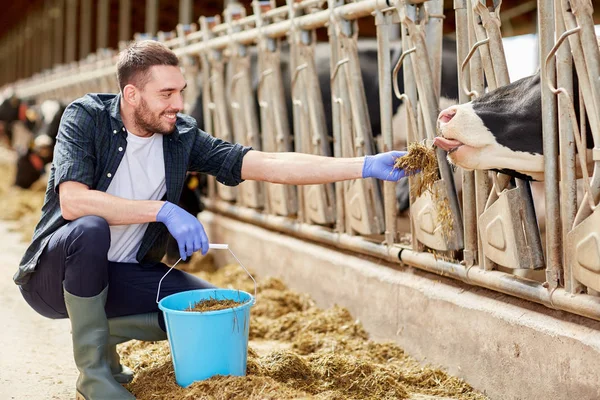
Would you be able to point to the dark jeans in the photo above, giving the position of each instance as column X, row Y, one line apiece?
column 76, row 255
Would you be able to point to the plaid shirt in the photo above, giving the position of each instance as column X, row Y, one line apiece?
column 89, row 147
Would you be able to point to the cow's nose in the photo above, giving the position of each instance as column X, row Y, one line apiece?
column 447, row 114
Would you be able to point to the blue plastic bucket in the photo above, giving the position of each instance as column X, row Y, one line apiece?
column 204, row 344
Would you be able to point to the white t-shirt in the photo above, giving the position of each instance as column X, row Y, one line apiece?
column 140, row 176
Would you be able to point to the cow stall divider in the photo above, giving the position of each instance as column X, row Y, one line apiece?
column 216, row 112
column 425, row 211
column 357, row 216
column 242, row 105
column 275, row 132
column 316, row 203
column 362, row 198
column 507, row 224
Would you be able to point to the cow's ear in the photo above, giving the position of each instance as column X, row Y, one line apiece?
column 131, row 95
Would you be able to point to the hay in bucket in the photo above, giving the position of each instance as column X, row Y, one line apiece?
column 213, row 305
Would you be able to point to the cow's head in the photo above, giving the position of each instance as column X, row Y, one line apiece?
column 501, row 130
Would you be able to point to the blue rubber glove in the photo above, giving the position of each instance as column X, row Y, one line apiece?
column 185, row 228
column 381, row 166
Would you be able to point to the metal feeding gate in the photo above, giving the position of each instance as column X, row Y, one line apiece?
column 242, row 106
column 244, row 62
column 316, row 202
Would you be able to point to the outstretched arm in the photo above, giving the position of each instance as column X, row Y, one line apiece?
column 308, row 169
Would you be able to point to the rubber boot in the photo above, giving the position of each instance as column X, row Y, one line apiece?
column 89, row 329
column 122, row 329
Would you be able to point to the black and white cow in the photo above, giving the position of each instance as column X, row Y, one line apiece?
column 500, row 131
column 15, row 111
column 31, row 162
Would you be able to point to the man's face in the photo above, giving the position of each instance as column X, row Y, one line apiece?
column 160, row 100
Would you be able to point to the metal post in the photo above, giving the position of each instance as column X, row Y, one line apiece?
column 58, row 12
column 340, row 223
column 102, row 18
column 85, row 28
column 70, row 31
column 568, row 182
column 12, row 64
column 151, row 26
column 433, row 36
column 468, row 177
column 30, row 45
column 124, row 20
column 482, row 180
column 3, row 61
column 383, row 23
column 553, row 229
column 186, row 12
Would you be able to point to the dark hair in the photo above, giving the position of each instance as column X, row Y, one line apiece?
column 135, row 61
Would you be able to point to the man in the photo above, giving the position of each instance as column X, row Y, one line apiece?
column 119, row 165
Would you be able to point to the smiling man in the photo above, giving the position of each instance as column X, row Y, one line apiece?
column 119, row 166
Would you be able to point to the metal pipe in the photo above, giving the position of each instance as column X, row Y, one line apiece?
column 383, row 23
column 568, row 178
column 58, row 40
column 102, row 18
column 277, row 29
column 558, row 299
column 124, row 20
column 549, row 125
column 469, row 201
column 71, row 31
column 186, row 11
column 85, row 28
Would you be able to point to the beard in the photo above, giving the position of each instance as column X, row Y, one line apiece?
column 149, row 122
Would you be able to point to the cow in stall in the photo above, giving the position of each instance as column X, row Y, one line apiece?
column 502, row 131
column 32, row 162
column 17, row 120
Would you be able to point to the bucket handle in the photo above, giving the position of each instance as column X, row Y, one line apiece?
column 215, row 246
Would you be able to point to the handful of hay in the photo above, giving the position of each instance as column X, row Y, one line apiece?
column 421, row 163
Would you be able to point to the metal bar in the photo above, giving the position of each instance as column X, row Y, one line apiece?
column 482, row 178
column 46, row 39
column 557, row 298
column 433, row 36
column 71, row 31
column 480, row 34
column 58, row 39
column 186, row 12
column 151, row 23
column 410, row 91
column 27, row 45
column 568, row 178
column 85, row 28
column 124, row 20
column 468, row 177
column 102, row 18
column 549, row 127
column 383, row 22
column 277, row 29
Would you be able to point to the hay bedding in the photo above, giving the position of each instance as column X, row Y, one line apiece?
column 296, row 351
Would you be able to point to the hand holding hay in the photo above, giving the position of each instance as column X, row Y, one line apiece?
column 421, row 163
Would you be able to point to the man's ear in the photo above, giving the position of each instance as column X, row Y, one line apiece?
column 131, row 95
